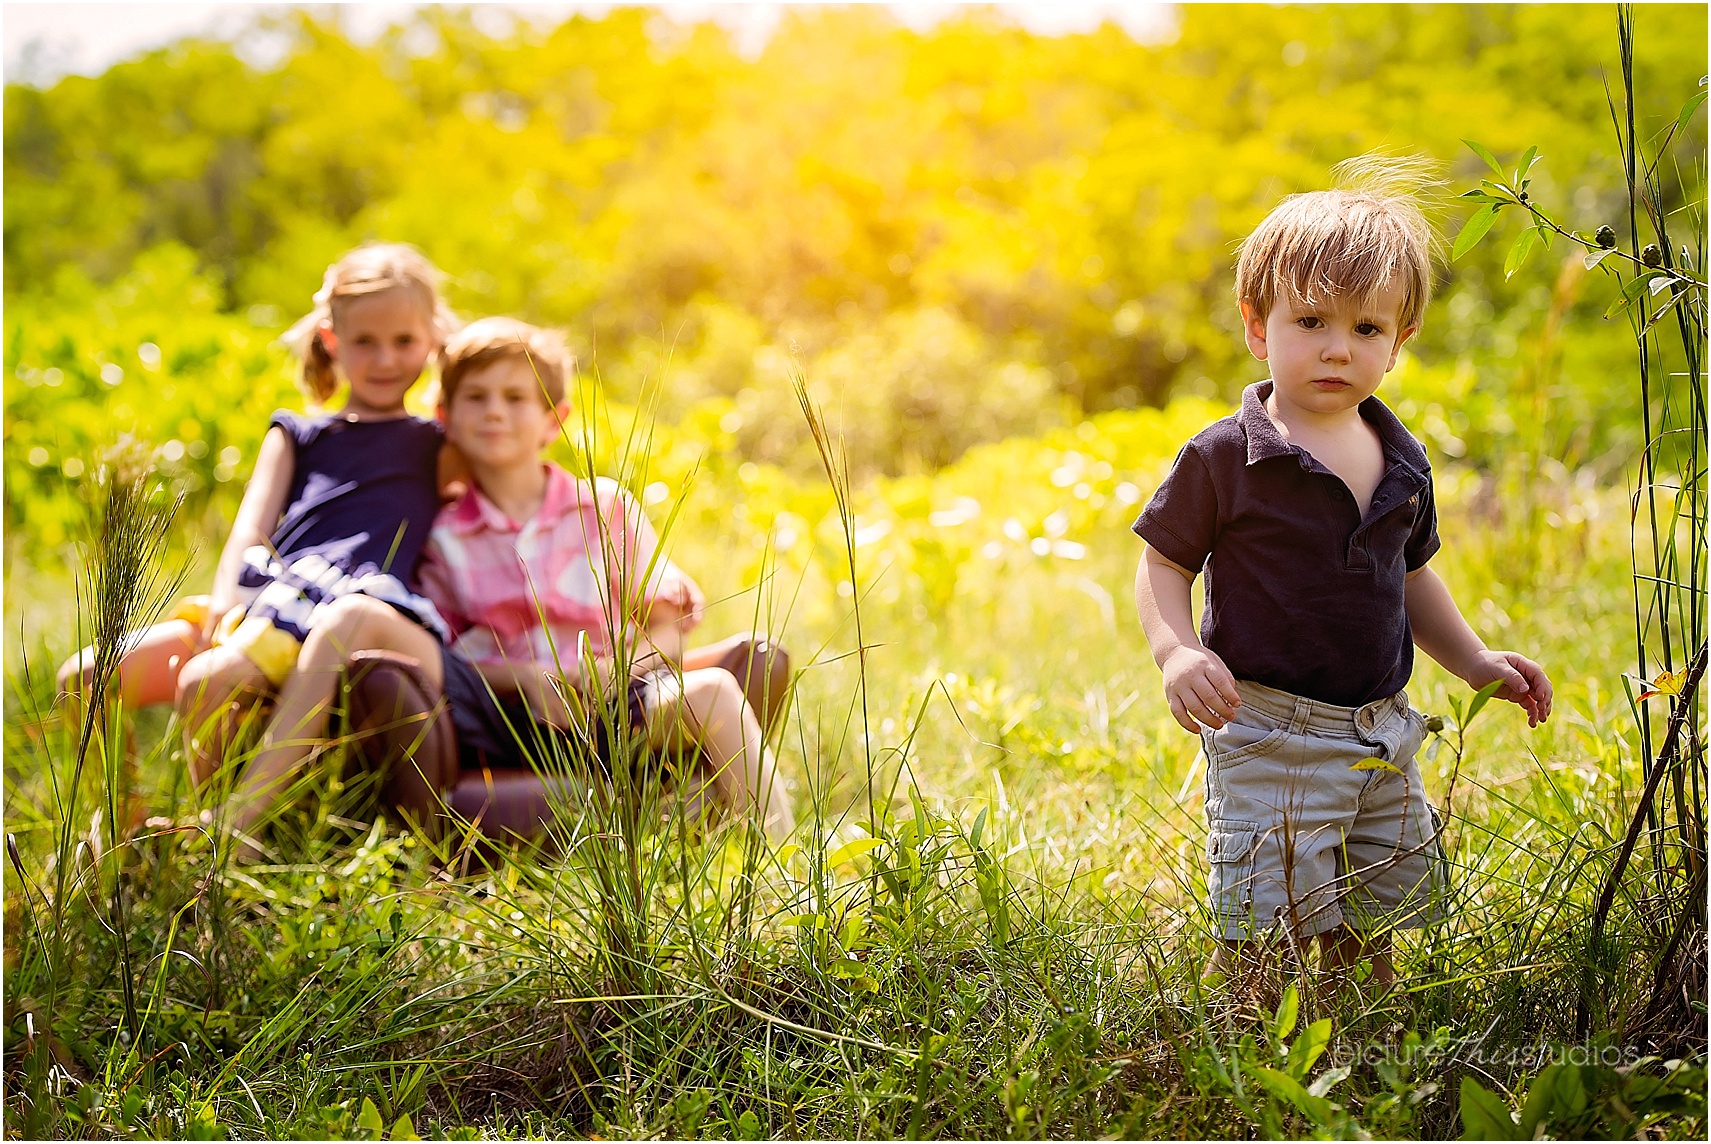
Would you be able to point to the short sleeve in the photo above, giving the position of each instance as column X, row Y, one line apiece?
column 637, row 556
column 630, row 542
column 674, row 589
column 436, row 578
column 300, row 430
column 1423, row 540
column 1181, row 519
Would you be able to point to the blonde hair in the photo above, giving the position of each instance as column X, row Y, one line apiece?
column 1363, row 235
column 367, row 270
column 489, row 340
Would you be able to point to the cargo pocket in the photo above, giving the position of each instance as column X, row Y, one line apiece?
column 1229, row 883
column 1238, row 742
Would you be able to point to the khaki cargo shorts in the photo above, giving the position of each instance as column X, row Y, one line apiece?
column 1305, row 831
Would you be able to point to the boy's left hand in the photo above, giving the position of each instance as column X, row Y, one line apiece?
column 1524, row 682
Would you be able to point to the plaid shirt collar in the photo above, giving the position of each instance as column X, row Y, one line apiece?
column 474, row 513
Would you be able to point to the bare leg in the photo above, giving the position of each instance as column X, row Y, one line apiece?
column 215, row 691
column 1342, row 949
column 148, row 667
column 708, row 710
column 761, row 666
column 299, row 724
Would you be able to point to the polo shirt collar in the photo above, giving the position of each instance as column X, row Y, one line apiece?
column 474, row 513
column 1265, row 441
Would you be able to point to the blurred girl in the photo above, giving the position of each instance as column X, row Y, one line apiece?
column 329, row 529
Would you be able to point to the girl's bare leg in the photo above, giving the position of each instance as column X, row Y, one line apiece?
column 298, row 727
column 148, row 667
column 706, row 708
column 215, row 692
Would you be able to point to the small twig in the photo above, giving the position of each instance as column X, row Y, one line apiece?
column 1677, row 717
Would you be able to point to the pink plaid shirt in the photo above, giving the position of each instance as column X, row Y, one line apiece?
column 585, row 551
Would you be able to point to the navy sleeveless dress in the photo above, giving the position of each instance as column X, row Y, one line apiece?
column 362, row 500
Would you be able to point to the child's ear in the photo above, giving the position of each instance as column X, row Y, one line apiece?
column 1253, row 329
column 1396, row 350
column 329, row 340
column 554, row 423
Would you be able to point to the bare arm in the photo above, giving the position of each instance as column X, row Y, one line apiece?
column 1197, row 684
column 258, row 514
column 1442, row 633
column 539, row 687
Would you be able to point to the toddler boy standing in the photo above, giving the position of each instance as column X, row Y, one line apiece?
column 1311, row 513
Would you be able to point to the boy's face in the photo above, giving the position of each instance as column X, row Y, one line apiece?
column 1330, row 357
column 498, row 417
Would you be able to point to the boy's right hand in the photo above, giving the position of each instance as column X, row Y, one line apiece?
column 1200, row 688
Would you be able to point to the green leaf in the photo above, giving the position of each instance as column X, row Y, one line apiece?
column 1287, row 1088
column 1328, row 1079
column 368, row 1119
column 1480, row 699
column 846, row 967
column 1374, row 763
column 1594, row 257
column 1308, row 1047
column 979, row 825
column 1570, row 1087
column 1544, row 234
column 402, row 1129
column 1527, row 161
column 1688, row 110
column 1484, row 1116
column 1474, row 229
column 1660, row 284
column 850, row 851
column 1634, row 288
column 1523, row 246
column 1287, row 1010
column 1490, row 159
column 1541, row 1100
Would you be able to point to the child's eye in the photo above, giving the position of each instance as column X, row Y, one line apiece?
column 1309, row 322
column 1368, row 329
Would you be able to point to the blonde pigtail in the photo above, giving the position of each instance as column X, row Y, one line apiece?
column 319, row 380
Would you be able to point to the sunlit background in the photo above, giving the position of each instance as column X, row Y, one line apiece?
column 963, row 223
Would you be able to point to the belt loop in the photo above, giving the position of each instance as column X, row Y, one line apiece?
column 1303, row 712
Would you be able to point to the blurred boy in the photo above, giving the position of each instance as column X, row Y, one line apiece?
column 546, row 579
column 1311, row 512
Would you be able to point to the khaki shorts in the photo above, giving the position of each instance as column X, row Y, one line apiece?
column 1318, row 817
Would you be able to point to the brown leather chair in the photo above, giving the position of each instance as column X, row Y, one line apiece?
column 399, row 726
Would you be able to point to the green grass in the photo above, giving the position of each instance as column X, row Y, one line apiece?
column 994, row 925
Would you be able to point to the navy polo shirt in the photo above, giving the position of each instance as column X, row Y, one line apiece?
column 1303, row 593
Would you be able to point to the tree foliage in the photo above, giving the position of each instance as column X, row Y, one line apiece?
column 962, row 232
